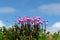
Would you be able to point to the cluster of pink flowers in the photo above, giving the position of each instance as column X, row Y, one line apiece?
column 33, row 21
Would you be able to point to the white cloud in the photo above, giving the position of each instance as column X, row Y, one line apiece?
column 54, row 28
column 7, row 10
column 56, row 24
column 53, row 8
column 1, row 23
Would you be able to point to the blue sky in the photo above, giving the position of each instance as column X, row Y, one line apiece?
column 47, row 9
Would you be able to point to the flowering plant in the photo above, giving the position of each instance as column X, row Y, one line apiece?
column 27, row 23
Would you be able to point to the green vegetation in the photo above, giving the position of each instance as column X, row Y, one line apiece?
column 26, row 33
column 30, row 29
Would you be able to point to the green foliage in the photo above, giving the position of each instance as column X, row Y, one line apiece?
column 1, row 35
column 26, row 33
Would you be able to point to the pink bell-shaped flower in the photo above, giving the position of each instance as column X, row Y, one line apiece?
column 32, row 20
column 39, row 22
column 32, row 24
column 19, row 21
column 26, row 17
column 25, row 20
column 22, row 20
column 38, row 17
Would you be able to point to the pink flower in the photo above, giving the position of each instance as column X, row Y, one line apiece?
column 25, row 20
column 32, row 24
column 32, row 20
column 39, row 22
column 26, row 17
column 38, row 17
column 20, row 20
